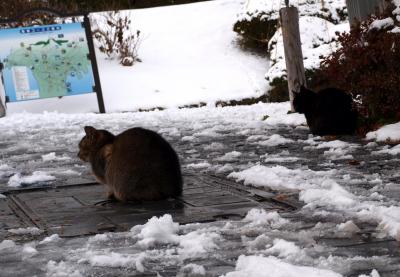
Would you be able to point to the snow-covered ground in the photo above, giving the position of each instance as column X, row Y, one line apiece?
column 349, row 188
column 189, row 56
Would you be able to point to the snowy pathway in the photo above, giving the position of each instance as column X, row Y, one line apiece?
column 349, row 188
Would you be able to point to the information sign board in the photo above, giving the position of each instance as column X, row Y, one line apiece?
column 45, row 61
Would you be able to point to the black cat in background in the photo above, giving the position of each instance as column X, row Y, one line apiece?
column 328, row 112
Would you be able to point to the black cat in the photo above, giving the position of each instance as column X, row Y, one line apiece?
column 328, row 112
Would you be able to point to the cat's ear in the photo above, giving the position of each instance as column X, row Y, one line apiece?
column 89, row 130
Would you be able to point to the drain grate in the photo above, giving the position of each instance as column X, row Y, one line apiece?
column 78, row 210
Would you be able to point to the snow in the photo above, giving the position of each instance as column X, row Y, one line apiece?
column 257, row 266
column 317, row 41
column 284, row 249
column 330, row 193
column 29, row 250
column 61, row 269
column 201, row 165
column 348, row 227
column 381, row 23
column 390, row 132
column 26, row 231
column 163, row 230
column 278, row 177
column 317, row 189
column 261, row 217
column 50, row 239
column 7, row 244
column 185, row 60
column 193, row 269
column 195, row 243
column 275, row 140
column 230, row 156
column 53, row 157
column 395, row 150
column 159, row 230
column 113, row 260
column 274, row 155
column 270, row 9
column 319, row 23
column 36, row 177
column 374, row 273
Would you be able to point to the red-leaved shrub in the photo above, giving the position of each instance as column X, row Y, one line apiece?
column 368, row 66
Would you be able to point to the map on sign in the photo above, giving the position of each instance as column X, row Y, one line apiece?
column 45, row 61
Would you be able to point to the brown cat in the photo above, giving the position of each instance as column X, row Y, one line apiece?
column 137, row 164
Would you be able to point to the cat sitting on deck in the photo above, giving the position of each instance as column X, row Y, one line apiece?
column 137, row 164
column 328, row 112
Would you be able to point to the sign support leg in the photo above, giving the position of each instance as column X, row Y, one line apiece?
column 89, row 37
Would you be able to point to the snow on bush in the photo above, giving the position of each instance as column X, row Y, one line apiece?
column 332, row 10
column 319, row 22
column 318, row 40
column 116, row 37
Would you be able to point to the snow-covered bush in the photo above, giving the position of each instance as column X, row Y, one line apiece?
column 367, row 64
column 320, row 21
column 259, row 19
column 255, row 32
column 116, row 38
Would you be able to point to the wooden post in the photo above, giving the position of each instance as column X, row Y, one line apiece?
column 293, row 53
